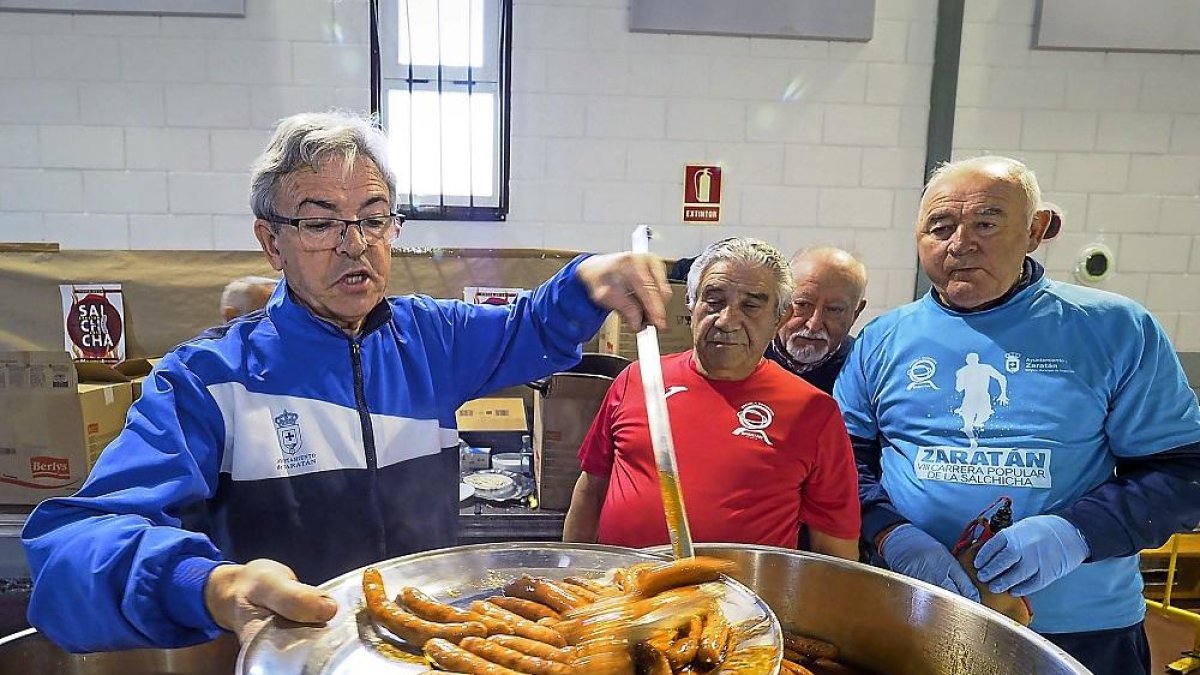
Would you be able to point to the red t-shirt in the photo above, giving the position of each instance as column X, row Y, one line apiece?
column 756, row 458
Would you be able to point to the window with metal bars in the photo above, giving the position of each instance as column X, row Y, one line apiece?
column 440, row 71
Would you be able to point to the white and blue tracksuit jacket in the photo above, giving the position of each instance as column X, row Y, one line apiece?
column 278, row 436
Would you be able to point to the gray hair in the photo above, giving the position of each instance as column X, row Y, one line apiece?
column 237, row 293
column 307, row 140
column 745, row 251
column 1007, row 168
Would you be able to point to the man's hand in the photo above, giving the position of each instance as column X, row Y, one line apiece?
column 242, row 597
column 910, row 551
column 631, row 284
column 1030, row 555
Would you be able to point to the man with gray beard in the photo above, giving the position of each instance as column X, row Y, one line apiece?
column 831, row 286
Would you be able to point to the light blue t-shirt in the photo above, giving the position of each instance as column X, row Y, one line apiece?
column 1034, row 399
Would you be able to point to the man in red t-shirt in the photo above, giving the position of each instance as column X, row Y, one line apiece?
column 760, row 451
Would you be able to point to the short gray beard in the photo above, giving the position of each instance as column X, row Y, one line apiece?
column 807, row 354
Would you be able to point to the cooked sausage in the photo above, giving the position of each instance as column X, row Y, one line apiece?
column 427, row 608
column 536, row 648
column 651, row 661
column 685, row 572
column 580, row 590
column 517, row 624
column 544, row 591
column 682, row 651
column 810, row 647
column 831, row 667
column 511, row 658
column 788, row 667
column 714, row 640
column 601, row 589
column 527, row 608
column 449, row 656
column 410, row 628
column 605, row 656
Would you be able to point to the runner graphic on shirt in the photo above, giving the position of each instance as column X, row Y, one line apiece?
column 974, row 380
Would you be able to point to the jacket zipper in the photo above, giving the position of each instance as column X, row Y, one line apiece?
column 360, row 401
column 368, row 433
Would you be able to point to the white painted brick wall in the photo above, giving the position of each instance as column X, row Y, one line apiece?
column 208, row 193
column 1125, row 213
column 208, row 105
column 122, row 103
column 855, row 207
column 1160, row 254
column 822, row 142
column 92, row 58
column 1134, row 132
column 16, row 56
column 823, row 165
column 778, row 206
column 41, row 190
column 1180, row 215
column 1118, row 147
column 1091, row 172
column 171, row 232
column 20, row 146
column 862, row 125
column 87, row 230
column 124, row 192
column 178, row 149
column 82, row 147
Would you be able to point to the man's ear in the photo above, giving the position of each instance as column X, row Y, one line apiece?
column 268, row 239
column 862, row 304
column 1037, row 229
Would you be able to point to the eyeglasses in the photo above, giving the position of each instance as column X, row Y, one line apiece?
column 322, row 234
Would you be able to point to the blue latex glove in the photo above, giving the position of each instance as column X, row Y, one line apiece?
column 1030, row 555
column 910, row 551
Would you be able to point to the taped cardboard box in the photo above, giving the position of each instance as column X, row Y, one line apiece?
column 133, row 371
column 617, row 338
column 495, row 423
column 564, row 406
column 55, row 420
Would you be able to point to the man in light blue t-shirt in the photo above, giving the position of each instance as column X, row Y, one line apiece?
column 1001, row 382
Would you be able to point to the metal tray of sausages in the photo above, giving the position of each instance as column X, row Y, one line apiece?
column 350, row 644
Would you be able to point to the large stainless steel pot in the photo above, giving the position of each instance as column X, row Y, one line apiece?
column 887, row 622
column 30, row 652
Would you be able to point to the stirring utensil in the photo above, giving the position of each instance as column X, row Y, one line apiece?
column 660, row 425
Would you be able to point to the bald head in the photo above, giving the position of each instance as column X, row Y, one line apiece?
column 245, row 295
column 978, row 220
column 831, row 285
column 996, row 167
column 834, row 263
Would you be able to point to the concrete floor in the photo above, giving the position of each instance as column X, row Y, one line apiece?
column 1168, row 638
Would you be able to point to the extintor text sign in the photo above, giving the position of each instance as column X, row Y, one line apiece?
column 94, row 322
column 701, row 193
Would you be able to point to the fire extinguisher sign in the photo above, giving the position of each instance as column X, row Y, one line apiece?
column 701, row 194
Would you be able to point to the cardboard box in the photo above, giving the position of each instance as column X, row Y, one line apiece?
column 564, row 406
column 136, row 370
column 133, row 371
column 496, row 423
column 615, row 337
column 54, row 423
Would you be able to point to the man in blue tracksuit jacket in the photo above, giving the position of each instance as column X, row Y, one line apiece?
column 312, row 437
column 1003, row 383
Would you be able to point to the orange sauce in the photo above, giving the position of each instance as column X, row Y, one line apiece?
column 676, row 515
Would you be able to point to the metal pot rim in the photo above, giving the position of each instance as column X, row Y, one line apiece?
column 999, row 619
